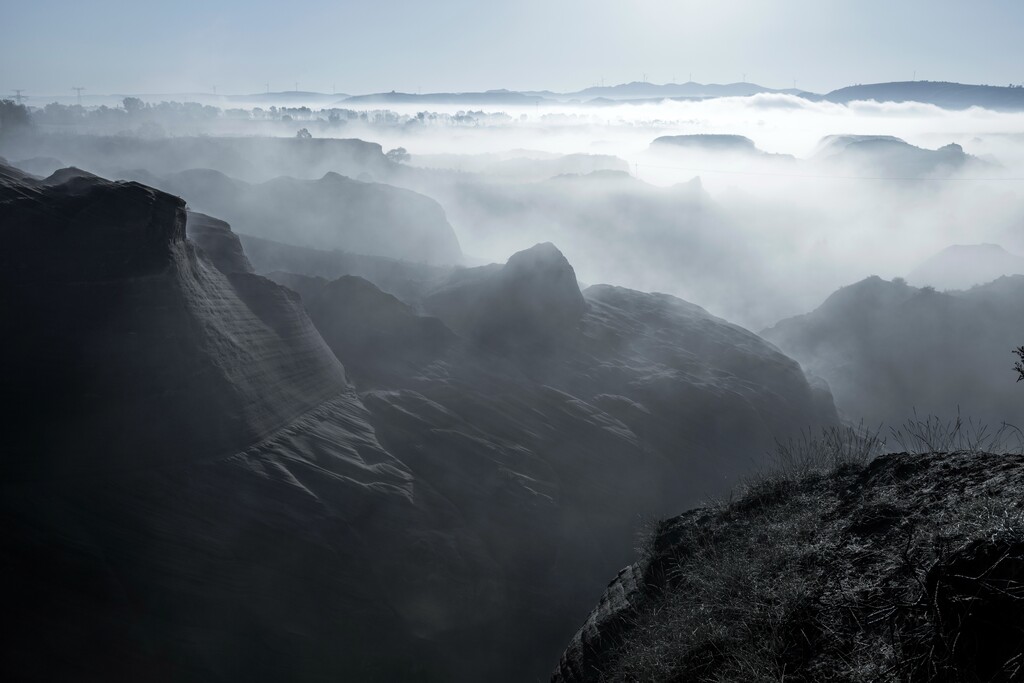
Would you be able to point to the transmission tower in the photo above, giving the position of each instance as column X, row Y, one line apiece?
column 78, row 91
column 18, row 97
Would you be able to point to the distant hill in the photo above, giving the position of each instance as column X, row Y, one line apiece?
column 712, row 144
column 493, row 97
column 964, row 265
column 891, row 156
column 939, row 93
column 644, row 90
column 332, row 212
column 886, row 349
column 289, row 97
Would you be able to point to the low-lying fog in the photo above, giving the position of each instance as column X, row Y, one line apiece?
column 767, row 232
column 787, row 229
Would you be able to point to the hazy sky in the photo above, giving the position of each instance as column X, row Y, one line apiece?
column 122, row 46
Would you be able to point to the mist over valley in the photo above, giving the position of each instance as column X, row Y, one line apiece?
column 387, row 383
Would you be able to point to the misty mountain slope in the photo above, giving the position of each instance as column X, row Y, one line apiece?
column 795, row 574
column 738, row 145
column 489, row 98
column 660, row 364
column 555, row 416
column 407, row 280
column 521, row 165
column 333, row 212
column 377, row 336
column 529, row 303
column 615, row 228
column 645, row 90
column 942, row 94
column 253, row 159
column 886, row 349
column 117, row 304
column 205, row 497
column 890, row 156
column 139, row 541
column 965, row 265
column 211, row 500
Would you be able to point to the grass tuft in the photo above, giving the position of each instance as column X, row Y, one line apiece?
column 930, row 434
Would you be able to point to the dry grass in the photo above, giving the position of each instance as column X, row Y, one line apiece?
column 818, row 569
column 933, row 435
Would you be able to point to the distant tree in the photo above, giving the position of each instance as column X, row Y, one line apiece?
column 304, row 134
column 1019, row 365
column 133, row 104
column 13, row 116
column 398, row 155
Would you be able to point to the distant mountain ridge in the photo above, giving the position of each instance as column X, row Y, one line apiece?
column 940, row 93
column 961, row 266
column 947, row 95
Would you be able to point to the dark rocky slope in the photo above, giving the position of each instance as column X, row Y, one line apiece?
column 908, row 569
column 132, row 348
column 577, row 405
column 196, row 492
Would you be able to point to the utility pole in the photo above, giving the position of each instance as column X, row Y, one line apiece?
column 296, row 86
column 78, row 91
column 18, row 97
column 744, row 76
column 914, row 78
column 268, row 87
column 214, row 89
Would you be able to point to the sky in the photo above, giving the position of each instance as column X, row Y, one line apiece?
column 241, row 47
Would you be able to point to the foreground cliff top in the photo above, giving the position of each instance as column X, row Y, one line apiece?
column 909, row 568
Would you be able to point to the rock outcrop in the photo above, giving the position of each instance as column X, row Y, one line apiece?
column 532, row 301
column 194, row 487
column 132, row 350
